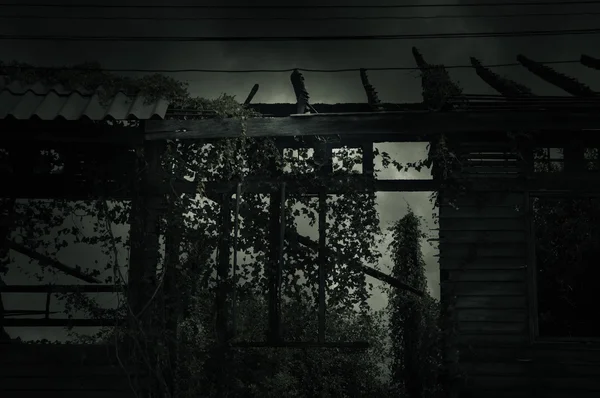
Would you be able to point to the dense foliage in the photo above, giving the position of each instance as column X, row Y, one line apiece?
column 179, row 341
column 414, row 320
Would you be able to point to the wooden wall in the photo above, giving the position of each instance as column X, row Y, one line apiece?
column 485, row 274
column 65, row 371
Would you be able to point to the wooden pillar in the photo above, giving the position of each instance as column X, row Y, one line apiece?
column 145, row 212
column 368, row 159
column 170, row 290
column 372, row 96
column 7, row 214
column 323, row 156
column 574, row 157
column 276, row 240
column 222, row 318
column 300, row 90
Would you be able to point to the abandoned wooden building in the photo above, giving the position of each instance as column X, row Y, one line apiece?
column 516, row 332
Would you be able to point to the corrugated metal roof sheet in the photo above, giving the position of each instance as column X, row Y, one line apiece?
column 39, row 101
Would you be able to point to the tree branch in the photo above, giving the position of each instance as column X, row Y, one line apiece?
column 43, row 259
column 306, row 241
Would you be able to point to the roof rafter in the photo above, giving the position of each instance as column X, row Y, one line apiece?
column 502, row 85
column 567, row 83
column 590, row 62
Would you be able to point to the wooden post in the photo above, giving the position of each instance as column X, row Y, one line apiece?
column 300, row 91
column 251, row 94
column 222, row 317
column 145, row 213
column 368, row 165
column 574, row 157
column 236, row 232
column 7, row 216
column 144, row 242
column 172, row 299
column 370, row 91
column 277, row 217
column 323, row 156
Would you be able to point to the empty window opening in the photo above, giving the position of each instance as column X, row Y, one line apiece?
column 567, row 248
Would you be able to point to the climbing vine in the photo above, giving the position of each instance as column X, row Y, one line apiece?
column 191, row 234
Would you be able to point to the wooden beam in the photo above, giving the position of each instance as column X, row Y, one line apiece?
column 41, row 322
column 145, row 214
column 43, row 259
column 223, row 270
column 560, row 80
column 65, row 187
column 236, row 239
column 504, row 86
column 372, row 97
column 368, row 160
column 415, row 124
column 251, row 94
column 357, row 345
column 590, row 62
column 308, row 186
column 56, row 131
column 300, row 90
column 323, row 153
column 7, row 218
column 60, row 288
column 277, row 220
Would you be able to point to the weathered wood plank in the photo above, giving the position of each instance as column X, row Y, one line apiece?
column 59, row 322
column 483, row 161
column 491, row 302
column 42, row 369
column 485, row 288
column 491, row 169
column 578, row 354
column 491, row 327
column 483, row 236
column 61, row 288
column 568, row 392
column 465, row 251
column 57, row 354
column 509, row 353
column 511, row 275
column 488, row 340
column 489, row 263
column 70, row 394
column 482, row 211
column 501, row 383
column 482, row 224
column 476, row 369
column 471, row 175
column 402, row 123
column 491, row 315
column 69, row 383
column 496, row 199
column 488, row 393
column 569, row 386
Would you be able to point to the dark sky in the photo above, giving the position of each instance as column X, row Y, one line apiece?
column 393, row 86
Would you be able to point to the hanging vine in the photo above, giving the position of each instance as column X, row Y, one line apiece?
column 353, row 232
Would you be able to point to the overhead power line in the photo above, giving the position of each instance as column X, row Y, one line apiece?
column 530, row 33
column 400, row 68
column 315, row 6
column 303, row 18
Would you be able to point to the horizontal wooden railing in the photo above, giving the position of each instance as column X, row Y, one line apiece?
column 49, row 290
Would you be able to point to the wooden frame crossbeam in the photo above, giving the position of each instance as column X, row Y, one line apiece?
column 414, row 124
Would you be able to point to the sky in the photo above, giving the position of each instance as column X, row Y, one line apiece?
column 393, row 86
